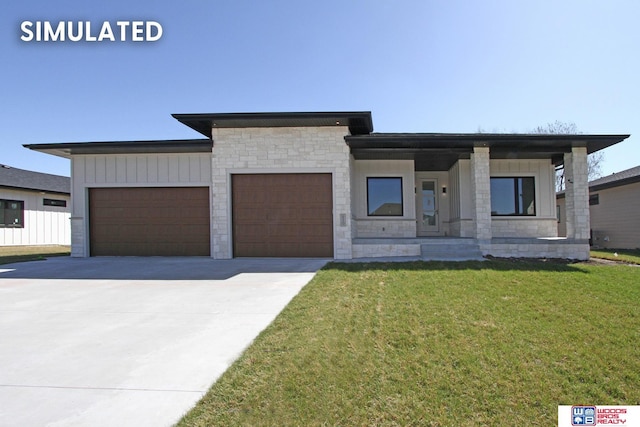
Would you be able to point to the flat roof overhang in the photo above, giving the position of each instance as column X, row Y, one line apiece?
column 359, row 122
column 69, row 149
column 439, row 151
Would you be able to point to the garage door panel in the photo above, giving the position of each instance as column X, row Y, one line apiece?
column 283, row 214
column 273, row 214
column 283, row 249
column 189, row 233
column 252, row 249
column 320, row 234
column 149, row 221
column 315, row 197
column 249, row 232
column 250, row 215
column 286, row 232
column 305, row 247
column 315, row 213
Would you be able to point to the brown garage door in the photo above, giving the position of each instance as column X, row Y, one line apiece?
column 282, row 215
column 149, row 221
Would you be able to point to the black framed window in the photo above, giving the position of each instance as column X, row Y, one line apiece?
column 11, row 214
column 384, row 196
column 513, row 196
column 594, row 199
column 54, row 202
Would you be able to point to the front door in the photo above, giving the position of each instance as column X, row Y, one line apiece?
column 427, row 204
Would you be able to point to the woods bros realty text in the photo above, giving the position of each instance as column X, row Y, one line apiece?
column 123, row 31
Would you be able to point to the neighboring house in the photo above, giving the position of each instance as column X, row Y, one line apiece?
column 324, row 185
column 34, row 208
column 614, row 207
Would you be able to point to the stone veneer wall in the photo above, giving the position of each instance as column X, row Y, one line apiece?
column 385, row 250
column 577, row 193
column 280, row 150
column 524, row 227
column 481, row 192
column 385, row 228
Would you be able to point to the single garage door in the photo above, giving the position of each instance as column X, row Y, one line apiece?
column 149, row 221
column 282, row 215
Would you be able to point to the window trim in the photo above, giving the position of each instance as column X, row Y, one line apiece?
column 21, row 209
column 369, row 214
column 516, row 196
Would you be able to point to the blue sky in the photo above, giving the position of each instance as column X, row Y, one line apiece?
column 418, row 66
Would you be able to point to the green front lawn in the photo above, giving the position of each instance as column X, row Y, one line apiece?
column 11, row 254
column 631, row 256
column 438, row 344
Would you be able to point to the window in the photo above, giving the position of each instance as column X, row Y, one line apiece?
column 384, row 196
column 55, row 202
column 11, row 213
column 594, row 199
column 513, row 196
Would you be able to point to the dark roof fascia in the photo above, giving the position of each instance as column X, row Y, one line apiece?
column 125, row 147
column 359, row 122
column 551, row 143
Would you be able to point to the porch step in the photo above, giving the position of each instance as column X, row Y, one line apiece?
column 462, row 250
column 426, row 248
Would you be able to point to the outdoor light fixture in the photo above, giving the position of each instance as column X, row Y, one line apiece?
column 444, row 190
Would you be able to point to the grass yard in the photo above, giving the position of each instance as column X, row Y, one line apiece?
column 11, row 254
column 438, row 344
column 631, row 256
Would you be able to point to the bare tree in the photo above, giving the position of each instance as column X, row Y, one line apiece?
column 594, row 161
column 558, row 128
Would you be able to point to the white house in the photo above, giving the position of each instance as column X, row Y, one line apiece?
column 325, row 185
column 34, row 208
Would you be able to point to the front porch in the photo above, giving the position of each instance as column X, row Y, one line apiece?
column 437, row 197
column 469, row 249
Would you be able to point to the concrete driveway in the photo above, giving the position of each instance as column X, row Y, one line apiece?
column 129, row 341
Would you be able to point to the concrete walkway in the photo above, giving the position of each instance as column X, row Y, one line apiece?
column 129, row 341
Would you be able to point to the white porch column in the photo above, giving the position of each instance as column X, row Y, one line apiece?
column 481, row 193
column 577, row 194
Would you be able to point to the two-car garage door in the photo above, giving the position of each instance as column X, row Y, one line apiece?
column 273, row 215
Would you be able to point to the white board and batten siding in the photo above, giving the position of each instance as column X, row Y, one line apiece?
column 544, row 222
column 43, row 225
column 544, row 173
column 129, row 170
